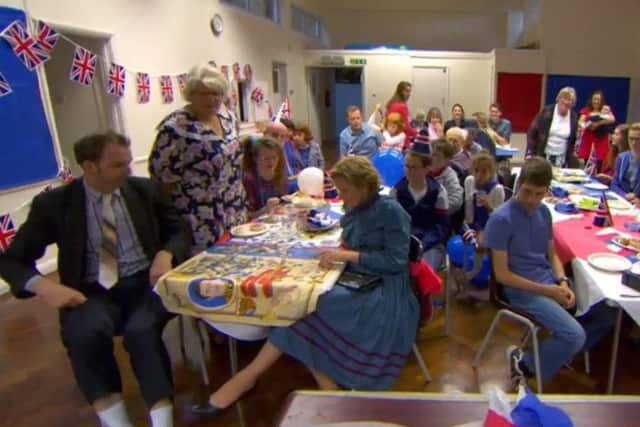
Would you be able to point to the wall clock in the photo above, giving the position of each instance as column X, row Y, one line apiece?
column 216, row 24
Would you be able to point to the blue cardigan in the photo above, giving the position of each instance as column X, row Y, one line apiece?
column 620, row 183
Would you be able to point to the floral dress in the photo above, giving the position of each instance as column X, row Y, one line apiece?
column 203, row 170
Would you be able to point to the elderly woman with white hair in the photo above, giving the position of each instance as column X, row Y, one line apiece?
column 197, row 157
column 552, row 133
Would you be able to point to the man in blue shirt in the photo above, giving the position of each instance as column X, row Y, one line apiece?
column 501, row 126
column 520, row 236
column 358, row 139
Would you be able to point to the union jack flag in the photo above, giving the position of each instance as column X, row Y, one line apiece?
column 182, row 80
column 65, row 173
column 7, row 231
column 5, row 88
column 47, row 37
column 117, row 79
column 166, row 86
column 283, row 111
column 83, row 67
column 25, row 47
column 143, row 90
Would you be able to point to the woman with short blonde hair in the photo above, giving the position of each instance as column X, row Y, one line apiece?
column 552, row 133
column 204, row 76
column 336, row 341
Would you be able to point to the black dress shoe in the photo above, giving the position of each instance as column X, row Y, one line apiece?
column 208, row 409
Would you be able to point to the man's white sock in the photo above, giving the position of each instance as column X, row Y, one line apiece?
column 162, row 417
column 115, row 416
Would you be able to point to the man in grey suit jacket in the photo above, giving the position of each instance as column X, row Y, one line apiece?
column 150, row 238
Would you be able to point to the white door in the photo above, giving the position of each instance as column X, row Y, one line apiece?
column 79, row 110
column 430, row 89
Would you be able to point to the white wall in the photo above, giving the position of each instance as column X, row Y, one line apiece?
column 470, row 74
column 418, row 29
column 168, row 37
column 462, row 25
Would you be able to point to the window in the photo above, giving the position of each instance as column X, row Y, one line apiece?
column 269, row 9
column 279, row 80
column 306, row 23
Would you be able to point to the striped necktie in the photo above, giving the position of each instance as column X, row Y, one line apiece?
column 108, row 272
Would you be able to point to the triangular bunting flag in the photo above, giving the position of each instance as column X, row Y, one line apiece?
column 248, row 72
column 117, row 79
column 225, row 71
column 7, row 231
column 166, row 86
column 83, row 67
column 5, row 88
column 47, row 37
column 236, row 71
column 25, row 47
column 143, row 89
column 182, row 81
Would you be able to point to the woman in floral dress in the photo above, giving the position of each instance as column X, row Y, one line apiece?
column 197, row 156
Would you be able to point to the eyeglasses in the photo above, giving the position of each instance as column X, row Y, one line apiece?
column 206, row 93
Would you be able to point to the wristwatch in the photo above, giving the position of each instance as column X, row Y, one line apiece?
column 564, row 279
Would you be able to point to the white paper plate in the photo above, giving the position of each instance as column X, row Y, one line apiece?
column 595, row 186
column 250, row 229
column 609, row 262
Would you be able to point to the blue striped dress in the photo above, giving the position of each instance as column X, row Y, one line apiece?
column 361, row 340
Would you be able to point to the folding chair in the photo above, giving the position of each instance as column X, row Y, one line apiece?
column 415, row 255
column 497, row 297
column 506, row 310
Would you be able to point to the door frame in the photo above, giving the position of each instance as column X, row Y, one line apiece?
column 104, row 57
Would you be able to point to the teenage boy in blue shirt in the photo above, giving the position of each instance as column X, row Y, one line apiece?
column 520, row 236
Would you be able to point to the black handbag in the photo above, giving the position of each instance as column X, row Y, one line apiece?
column 359, row 282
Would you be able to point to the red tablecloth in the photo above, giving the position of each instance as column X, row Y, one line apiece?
column 576, row 237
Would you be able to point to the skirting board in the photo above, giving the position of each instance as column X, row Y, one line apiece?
column 46, row 266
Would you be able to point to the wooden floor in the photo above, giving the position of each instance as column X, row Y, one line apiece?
column 37, row 387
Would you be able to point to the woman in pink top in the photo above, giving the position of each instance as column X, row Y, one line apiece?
column 398, row 104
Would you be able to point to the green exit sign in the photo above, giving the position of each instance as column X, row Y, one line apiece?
column 358, row 61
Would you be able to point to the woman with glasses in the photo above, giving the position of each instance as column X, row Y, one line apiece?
column 197, row 157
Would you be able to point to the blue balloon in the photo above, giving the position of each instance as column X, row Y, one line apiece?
column 456, row 250
column 390, row 166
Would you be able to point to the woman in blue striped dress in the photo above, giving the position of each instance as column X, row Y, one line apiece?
column 358, row 340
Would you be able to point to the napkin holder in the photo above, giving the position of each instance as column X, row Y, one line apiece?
column 631, row 279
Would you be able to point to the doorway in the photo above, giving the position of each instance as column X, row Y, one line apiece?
column 330, row 91
column 430, row 88
column 279, row 84
column 80, row 110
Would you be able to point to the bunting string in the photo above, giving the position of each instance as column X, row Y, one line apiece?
column 35, row 50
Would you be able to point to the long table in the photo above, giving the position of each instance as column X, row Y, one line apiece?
column 574, row 232
column 251, row 283
column 433, row 409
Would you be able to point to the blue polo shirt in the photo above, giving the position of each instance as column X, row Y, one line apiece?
column 525, row 237
column 364, row 143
